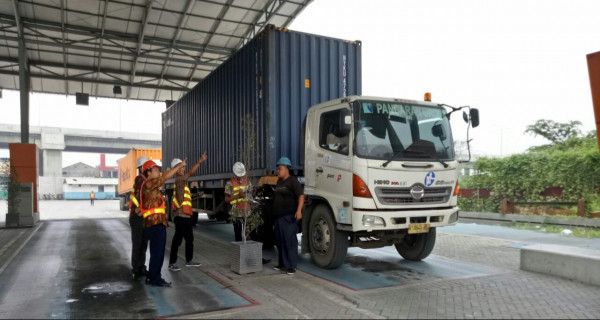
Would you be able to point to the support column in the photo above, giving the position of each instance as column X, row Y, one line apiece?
column 52, row 145
column 24, row 89
column 23, row 76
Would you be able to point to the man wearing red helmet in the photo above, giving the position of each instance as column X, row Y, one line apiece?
column 152, row 206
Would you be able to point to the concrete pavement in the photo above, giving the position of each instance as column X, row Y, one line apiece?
column 79, row 268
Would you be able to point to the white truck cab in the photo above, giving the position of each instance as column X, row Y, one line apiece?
column 378, row 172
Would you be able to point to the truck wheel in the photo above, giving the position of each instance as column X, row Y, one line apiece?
column 416, row 247
column 328, row 246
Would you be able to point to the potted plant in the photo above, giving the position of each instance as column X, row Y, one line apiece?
column 247, row 254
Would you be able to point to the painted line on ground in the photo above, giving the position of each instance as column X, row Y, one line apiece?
column 11, row 258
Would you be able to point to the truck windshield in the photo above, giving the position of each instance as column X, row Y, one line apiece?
column 401, row 131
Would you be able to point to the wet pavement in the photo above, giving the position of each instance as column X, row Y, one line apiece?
column 80, row 269
column 373, row 268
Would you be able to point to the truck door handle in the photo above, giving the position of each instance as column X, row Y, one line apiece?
column 319, row 170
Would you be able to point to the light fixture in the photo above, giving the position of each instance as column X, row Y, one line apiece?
column 117, row 90
column 82, row 99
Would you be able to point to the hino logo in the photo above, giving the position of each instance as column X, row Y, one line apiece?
column 417, row 192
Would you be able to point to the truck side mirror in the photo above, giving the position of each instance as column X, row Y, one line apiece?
column 345, row 123
column 474, row 116
column 438, row 132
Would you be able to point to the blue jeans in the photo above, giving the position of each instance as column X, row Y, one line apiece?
column 286, row 229
column 157, row 236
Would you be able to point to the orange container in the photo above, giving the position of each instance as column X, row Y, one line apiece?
column 128, row 167
column 23, row 163
column 593, row 61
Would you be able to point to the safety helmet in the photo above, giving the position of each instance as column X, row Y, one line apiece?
column 149, row 165
column 284, row 161
column 141, row 160
column 239, row 169
column 175, row 162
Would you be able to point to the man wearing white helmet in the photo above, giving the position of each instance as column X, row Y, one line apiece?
column 136, row 222
column 235, row 194
column 182, row 211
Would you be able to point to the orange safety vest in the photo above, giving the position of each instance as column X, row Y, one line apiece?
column 154, row 215
column 186, row 205
column 237, row 188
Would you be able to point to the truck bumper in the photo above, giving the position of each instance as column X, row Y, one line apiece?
column 396, row 220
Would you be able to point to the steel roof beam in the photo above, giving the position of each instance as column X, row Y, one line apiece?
column 142, row 32
column 109, row 51
column 87, row 80
column 80, row 12
column 263, row 19
column 213, row 29
column 183, row 17
column 37, row 63
column 114, row 35
column 296, row 12
column 209, row 2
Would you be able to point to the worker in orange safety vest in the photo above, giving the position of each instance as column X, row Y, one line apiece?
column 183, row 211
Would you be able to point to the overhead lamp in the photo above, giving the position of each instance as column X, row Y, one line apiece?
column 117, row 90
column 82, row 99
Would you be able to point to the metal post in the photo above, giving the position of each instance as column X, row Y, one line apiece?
column 24, row 88
column 23, row 76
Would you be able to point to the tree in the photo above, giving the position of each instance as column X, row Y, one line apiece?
column 555, row 132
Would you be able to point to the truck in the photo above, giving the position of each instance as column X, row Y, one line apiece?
column 127, row 167
column 377, row 171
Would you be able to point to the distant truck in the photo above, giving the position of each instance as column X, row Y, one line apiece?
column 128, row 171
column 377, row 171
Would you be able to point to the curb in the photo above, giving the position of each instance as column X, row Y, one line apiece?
column 510, row 217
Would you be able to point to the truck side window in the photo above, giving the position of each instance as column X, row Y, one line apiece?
column 330, row 137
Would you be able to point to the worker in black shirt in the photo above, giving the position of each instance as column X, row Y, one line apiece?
column 287, row 208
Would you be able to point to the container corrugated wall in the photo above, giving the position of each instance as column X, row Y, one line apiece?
column 273, row 80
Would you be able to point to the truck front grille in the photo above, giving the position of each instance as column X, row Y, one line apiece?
column 399, row 196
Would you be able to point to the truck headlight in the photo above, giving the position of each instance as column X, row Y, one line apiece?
column 369, row 221
column 453, row 217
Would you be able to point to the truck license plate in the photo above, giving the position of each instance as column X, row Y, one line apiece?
column 418, row 228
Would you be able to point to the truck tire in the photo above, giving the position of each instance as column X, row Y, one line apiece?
column 416, row 247
column 328, row 246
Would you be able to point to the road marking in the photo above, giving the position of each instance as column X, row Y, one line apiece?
column 10, row 259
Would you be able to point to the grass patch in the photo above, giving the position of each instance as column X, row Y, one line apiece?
column 580, row 232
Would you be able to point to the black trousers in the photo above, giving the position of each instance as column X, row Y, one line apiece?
column 237, row 229
column 139, row 243
column 184, row 229
column 286, row 229
column 157, row 236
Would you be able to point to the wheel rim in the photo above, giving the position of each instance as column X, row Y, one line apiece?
column 321, row 236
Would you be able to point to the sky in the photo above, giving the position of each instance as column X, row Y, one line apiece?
column 516, row 61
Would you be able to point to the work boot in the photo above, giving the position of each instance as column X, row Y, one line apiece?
column 265, row 261
column 160, row 283
column 174, row 267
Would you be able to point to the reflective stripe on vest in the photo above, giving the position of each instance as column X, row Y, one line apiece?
column 187, row 201
column 239, row 187
column 160, row 210
column 134, row 200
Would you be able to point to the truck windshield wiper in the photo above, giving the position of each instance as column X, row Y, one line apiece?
column 395, row 155
column 436, row 158
column 385, row 164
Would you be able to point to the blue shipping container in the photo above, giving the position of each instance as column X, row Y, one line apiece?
column 271, row 82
